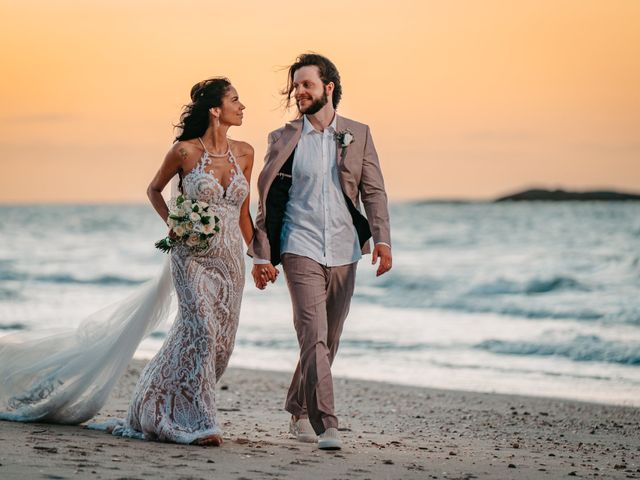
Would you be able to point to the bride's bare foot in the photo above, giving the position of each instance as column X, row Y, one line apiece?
column 210, row 441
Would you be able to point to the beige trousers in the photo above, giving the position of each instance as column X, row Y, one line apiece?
column 320, row 297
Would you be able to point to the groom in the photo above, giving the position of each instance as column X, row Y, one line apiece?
column 317, row 168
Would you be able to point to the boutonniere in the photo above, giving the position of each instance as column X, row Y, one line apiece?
column 344, row 138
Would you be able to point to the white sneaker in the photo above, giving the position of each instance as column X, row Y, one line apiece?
column 302, row 430
column 329, row 440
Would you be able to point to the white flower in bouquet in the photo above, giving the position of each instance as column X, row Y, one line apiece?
column 193, row 240
column 192, row 224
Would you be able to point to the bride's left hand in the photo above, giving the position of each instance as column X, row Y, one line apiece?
column 263, row 273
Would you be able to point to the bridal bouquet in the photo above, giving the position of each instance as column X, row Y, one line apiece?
column 191, row 222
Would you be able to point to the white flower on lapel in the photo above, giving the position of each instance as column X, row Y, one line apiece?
column 345, row 138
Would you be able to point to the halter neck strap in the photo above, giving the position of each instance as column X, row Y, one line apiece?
column 219, row 155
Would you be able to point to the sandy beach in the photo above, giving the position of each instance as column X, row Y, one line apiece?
column 389, row 432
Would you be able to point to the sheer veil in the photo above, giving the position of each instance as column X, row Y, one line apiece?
column 66, row 377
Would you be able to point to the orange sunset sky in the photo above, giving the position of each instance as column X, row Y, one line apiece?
column 465, row 98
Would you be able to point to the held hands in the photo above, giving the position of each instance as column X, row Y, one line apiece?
column 383, row 252
column 263, row 273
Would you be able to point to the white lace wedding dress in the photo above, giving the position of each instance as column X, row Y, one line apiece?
column 67, row 378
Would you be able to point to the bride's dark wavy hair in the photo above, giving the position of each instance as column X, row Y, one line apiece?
column 205, row 95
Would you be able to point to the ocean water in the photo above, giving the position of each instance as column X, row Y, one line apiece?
column 527, row 298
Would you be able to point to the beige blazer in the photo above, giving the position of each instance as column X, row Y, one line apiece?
column 360, row 178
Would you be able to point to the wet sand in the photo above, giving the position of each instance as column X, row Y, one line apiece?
column 388, row 432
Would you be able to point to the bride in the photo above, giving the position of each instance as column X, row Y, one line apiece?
column 67, row 378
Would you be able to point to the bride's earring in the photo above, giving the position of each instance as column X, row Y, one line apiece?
column 217, row 122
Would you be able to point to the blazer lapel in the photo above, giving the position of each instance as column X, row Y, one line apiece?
column 341, row 153
column 281, row 151
column 341, row 159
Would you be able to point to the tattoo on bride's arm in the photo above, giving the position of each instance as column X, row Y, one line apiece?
column 183, row 153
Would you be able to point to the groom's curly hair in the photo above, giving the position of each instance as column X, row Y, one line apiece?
column 328, row 73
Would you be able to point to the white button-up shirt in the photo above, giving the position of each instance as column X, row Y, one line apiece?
column 317, row 223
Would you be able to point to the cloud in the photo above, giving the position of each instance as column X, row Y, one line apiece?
column 499, row 135
column 612, row 147
column 39, row 118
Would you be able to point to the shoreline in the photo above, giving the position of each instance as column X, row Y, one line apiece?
column 388, row 431
column 354, row 378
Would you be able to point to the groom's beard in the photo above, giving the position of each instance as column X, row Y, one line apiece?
column 316, row 105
